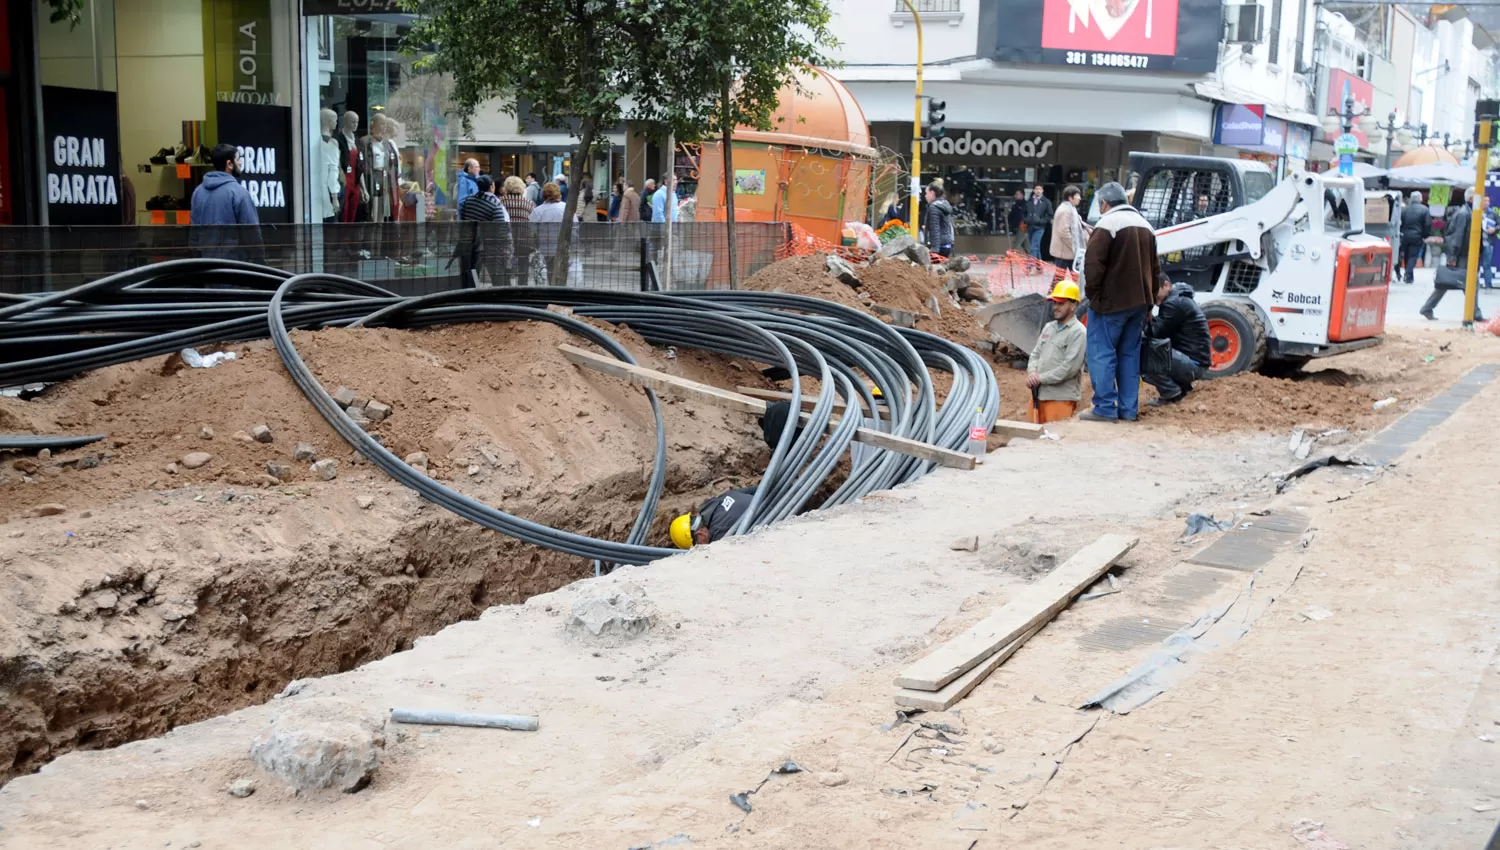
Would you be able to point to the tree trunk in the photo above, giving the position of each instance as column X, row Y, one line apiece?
column 729, row 231
column 586, row 134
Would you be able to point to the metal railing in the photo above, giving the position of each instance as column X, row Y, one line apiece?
column 925, row 6
column 405, row 257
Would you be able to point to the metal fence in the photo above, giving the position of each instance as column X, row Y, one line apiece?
column 405, row 257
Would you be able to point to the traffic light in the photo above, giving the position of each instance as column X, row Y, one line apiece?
column 935, row 118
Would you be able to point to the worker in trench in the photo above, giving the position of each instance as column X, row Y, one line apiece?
column 1056, row 362
column 719, row 515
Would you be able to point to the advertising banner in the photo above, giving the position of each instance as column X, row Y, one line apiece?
column 264, row 136
column 1128, row 35
column 1298, row 141
column 1240, row 125
column 81, row 136
column 1344, row 88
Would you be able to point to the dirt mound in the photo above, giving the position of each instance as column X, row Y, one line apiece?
column 156, row 598
column 892, row 284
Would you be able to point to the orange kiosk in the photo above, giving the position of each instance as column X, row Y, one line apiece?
column 812, row 168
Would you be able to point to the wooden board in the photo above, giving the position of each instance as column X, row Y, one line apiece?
column 1004, row 427
column 1012, row 428
column 672, row 385
column 944, row 698
column 1034, row 606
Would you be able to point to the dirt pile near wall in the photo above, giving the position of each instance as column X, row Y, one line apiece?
column 156, row 598
column 892, row 284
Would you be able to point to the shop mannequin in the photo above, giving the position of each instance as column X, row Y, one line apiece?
column 378, row 175
column 351, row 158
column 330, row 174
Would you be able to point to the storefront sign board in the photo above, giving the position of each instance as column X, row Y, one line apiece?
column 350, row 7
column 1298, row 141
column 983, row 144
column 242, row 52
column 81, row 134
column 1123, row 35
column 264, row 136
column 1343, row 88
column 1240, row 125
column 1273, row 137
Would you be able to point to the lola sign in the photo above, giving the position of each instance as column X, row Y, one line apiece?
column 1035, row 148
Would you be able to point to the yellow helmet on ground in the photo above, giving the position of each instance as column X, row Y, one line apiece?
column 1065, row 290
column 682, row 532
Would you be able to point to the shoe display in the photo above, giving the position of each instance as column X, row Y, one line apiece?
column 161, row 156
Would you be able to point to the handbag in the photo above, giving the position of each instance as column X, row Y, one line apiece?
column 1451, row 277
column 1156, row 356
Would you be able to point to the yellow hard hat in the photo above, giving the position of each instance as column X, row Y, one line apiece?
column 1065, row 290
column 682, row 531
column 875, row 391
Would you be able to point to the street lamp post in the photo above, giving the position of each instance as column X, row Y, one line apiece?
column 916, row 131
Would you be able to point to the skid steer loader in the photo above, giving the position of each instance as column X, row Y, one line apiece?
column 1285, row 272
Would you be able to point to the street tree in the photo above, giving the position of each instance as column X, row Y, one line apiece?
column 566, row 58
column 707, row 68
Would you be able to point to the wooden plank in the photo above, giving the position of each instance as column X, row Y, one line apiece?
column 1034, row 606
column 672, row 385
column 1012, row 428
column 1004, row 427
column 945, row 697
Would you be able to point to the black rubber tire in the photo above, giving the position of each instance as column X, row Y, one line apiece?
column 1246, row 324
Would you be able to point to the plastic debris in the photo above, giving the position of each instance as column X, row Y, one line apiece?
column 1316, row 614
column 742, row 800
column 1205, row 523
column 191, row 357
column 1385, row 402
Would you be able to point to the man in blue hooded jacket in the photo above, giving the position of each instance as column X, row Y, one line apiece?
column 219, row 204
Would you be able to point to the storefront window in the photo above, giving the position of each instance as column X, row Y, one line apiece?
column 379, row 134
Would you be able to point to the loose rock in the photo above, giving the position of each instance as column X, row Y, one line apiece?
column 193, row 460
column 26, row 466
column 364, row 502
column 832, row 779
column 241, row 788
column 279, row 471
column 327, row 469
column 967, row 543
column 840, row 268
column 262, row 434
column 624, row 613
column 206, row 433
column 377, row 410
column 304, row 451
column 44, row 455
column 344, row 396
column 321, row 743
column 417, row 459
column 243, row 437
column 50, row 509
column 992, row 746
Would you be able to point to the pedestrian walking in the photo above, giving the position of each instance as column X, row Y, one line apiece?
column 1487, row 248
column 647, row 193
column 487, row 241
column 662, row 201
column 586, row 210
column 1121, row 275
column 1015, row 222
column 1067, row 230
column 890, row 209
column 533, row 189
column 1454, row 272
column 616, row 195
column 1038, row 216
column 467, row 184
column 523, row 235
column 562, row 186
column 939, row 222
column 630, row 204
column 224, row 221
column 1416, row 224
column 547, row 220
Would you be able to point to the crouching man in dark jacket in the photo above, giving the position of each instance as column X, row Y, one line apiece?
column 1180, row 320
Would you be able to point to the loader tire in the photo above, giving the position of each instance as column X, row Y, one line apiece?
column 1236, row 338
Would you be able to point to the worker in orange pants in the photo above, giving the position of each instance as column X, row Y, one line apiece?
column 1056, row 364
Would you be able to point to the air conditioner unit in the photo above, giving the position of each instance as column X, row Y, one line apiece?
column 1243, row 24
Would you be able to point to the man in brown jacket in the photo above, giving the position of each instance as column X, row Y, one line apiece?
column 1121, row 275
column 630, row 204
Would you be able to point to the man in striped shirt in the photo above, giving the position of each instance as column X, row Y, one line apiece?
column 484, row 237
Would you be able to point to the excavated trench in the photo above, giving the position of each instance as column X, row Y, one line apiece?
column 253, row 626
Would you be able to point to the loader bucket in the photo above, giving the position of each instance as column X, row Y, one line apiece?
column 1018, row 321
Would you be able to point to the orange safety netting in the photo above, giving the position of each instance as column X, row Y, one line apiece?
column 804, row 243
column 1015, row 273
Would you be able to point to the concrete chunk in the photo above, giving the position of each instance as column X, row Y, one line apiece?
column 321, row 743
column 377, row 410
column 262, row 434
column 344, row 396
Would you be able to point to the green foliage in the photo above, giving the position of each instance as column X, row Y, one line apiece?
column 66, row 10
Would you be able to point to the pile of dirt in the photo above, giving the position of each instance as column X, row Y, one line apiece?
column 150, row 598
column 892, row 284
column 1334, row 393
